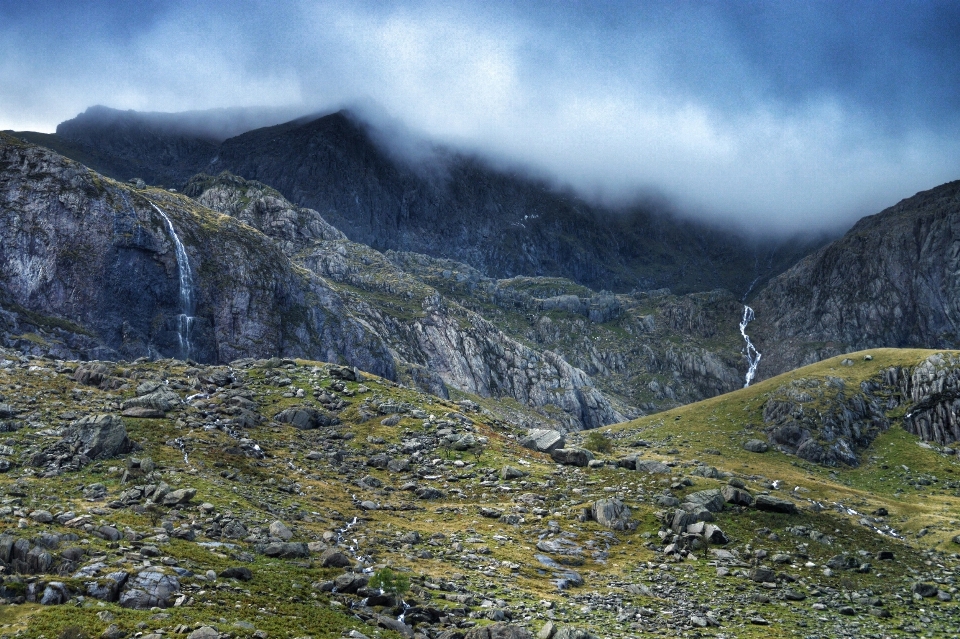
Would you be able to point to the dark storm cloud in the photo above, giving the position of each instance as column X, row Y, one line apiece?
column 778, row 115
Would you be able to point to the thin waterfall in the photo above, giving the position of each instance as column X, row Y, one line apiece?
column 187, row 295
column 753, row 356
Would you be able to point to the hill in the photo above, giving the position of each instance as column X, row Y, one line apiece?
column 260, row 499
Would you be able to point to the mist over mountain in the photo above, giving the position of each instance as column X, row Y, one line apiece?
column 408, row 195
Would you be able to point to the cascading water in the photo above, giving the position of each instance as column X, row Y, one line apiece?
column 187, row 301
column 753, row 356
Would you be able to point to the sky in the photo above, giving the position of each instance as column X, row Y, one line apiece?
column 774, row 116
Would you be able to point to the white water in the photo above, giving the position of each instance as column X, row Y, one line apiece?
column 187, row 302
column 753, row 356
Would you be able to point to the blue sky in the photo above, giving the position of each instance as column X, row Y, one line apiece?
column 774, row 115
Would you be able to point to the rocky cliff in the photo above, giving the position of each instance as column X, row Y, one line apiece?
column 143, row 272
column 100, row 254
column 893, row 280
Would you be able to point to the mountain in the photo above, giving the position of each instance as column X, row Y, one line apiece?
column 127, row 272
column 287, row 497
column 444, row 204
column 892, row 280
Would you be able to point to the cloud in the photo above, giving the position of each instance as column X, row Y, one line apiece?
column 784, row 116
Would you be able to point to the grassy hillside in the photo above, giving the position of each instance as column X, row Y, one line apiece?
column 477, row 542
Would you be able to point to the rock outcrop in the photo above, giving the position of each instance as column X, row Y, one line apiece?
column 892, row 281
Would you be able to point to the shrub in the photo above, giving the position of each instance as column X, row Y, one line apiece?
column 597, row 442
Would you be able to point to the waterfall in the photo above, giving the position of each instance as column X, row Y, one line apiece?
column 187, row 302
column 753, row 356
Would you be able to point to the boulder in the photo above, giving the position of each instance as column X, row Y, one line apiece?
column 612, row 513
column 91, row 437
column 181, row 496
column 711, row 499
column 149, row 589
column 279, row 530
column 543, row 440
column 163, row 399
column 736, row 496
column 237, row 572
column 306, row 418
column 332, row 558
column 572, row 456
column 499, row 630
column 285, row 550
column 775, row 505
column 756, row 446
column 652, row 466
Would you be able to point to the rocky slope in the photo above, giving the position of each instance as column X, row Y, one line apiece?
column 105, row 257
column 447, row 205
column 892, row 280
column 266, row 498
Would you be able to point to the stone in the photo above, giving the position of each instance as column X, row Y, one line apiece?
column 924, row 589
column 286, row 550
column 711, row 499
column 652, row 467
column 499, row 630
column 572, row 456
column 306, row 418
column 396, row 625
column 756, row 446
column 54, row 594
column 612, row 513
column 398, row 465
column 736, row 496
column 237, row 572
column 332, row 558
column 543, row 440
column 149, row 589
column 570, row 632
column 41, row 516
column 509, row 472
column 775, row 504
column 547, row 631
column 279, row 530
column 89, row 438
column 204, row 632
column 177, row 497
column 763, row 575
column 162, row 399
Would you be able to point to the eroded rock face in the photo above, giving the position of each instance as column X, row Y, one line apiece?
column 893, row 280
column 96, row 253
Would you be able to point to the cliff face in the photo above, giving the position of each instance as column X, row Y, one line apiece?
column 98, row 254
column 437, row 343
column 893, row 280
column 144, row 272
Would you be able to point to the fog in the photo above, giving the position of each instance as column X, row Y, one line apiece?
column 776, row 117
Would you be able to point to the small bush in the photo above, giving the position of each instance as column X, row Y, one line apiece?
column 597, row 442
